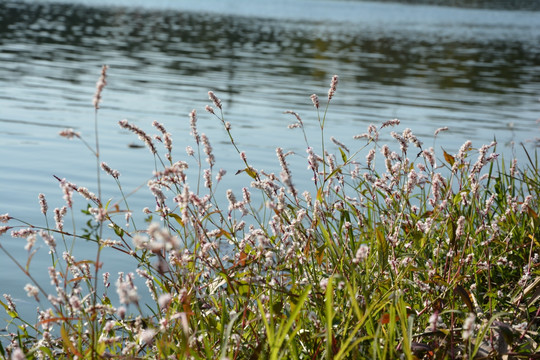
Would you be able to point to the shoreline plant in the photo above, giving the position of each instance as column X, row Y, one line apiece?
column 397, row 253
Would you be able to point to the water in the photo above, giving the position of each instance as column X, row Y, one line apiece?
column 476, row 71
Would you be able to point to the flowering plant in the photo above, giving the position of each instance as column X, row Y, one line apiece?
column 394, row 253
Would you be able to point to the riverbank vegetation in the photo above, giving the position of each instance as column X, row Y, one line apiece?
column 399, row 251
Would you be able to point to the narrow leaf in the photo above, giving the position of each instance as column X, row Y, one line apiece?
column 464, row 294
column 449, row 158
column 177, row 218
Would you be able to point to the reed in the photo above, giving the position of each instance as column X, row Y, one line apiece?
column 398, row 252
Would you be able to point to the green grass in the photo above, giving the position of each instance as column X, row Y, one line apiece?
column 399, row 252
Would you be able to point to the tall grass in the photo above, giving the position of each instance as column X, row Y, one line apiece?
column 399, row 252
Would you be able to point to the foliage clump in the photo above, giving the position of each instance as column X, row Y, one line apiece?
column 395, row 253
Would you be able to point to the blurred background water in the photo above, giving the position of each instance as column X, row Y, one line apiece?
column 475, row 70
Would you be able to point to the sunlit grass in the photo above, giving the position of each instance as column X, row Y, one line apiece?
column 399, row 252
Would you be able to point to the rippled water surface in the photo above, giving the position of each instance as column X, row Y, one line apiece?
column 475, row 71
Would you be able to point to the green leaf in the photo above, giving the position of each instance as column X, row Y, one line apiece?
column 227, row 335
column 277, row 307
column 329, row 302
column 250, row 171
column 269, row 329
column 284, row 330
column 13, row 314
column 67, row 342
column 343, row 155
column 383, row 247
column 177, row 218
column 118, row 230
column 47, row 351
column 482, row 333
column 101, row 347
column 106, row 301
column 243, row 289
column 320, row 195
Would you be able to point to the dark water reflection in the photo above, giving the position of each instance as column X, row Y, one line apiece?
column 478, row 4
column 194, row 44
column 476, row 71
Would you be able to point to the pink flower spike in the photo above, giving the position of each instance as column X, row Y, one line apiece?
column 315, row 100
column 333, row 86
column 440, row 130
column 100, row 85
column 69, row 133
column 4, row 218
column 43, row 204
column 214, row 99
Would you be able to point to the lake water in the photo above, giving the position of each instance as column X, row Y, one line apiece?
column 476, row 71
